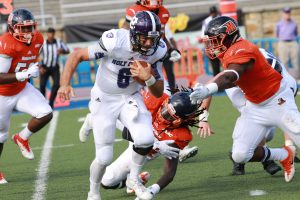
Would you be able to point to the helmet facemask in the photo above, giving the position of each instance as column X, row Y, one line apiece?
column 152, row 4
column 167, row 115
column 214, row 46
column 146, row 44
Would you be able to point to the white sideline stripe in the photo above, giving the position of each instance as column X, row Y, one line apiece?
column 54, row 147
column 42, row 177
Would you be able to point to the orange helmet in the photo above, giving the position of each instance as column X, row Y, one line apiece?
column 151, row 4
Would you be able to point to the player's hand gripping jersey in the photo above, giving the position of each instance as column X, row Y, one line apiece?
column 261, row 81
column 181, row 135
column 22, row 55
column 115, row 53
column 162, row 13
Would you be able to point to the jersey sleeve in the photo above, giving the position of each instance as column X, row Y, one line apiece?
column 240, row 56
column 130, row 12
column 7, row 47
column 104, row 46
column 182, row 136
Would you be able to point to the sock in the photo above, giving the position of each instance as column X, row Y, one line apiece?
column 96, row 173
column 136, row 165
column 25, row 133
column 278, row 154
column 288, row 143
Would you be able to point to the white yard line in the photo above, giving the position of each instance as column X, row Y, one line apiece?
column 53, row 147
column 42, row 176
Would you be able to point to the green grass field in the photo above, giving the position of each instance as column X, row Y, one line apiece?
column 206, row 176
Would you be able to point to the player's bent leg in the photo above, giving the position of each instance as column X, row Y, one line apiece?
column 86, row 128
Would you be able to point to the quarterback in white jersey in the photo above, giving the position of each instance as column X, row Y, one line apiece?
column 115, row 93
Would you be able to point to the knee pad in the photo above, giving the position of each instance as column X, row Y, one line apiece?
column 3, row 137
column 241, row 156
column 104, row 155
column 142, row 150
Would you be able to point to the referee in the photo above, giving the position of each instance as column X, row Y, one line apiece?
column 51, row 50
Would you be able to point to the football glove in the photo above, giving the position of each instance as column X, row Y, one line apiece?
column 164, row 148
column 175, row 55
column 200, row 92
column 32, row 71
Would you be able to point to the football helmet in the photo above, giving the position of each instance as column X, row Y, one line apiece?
column 220, row 33
column 22, row 25
column 179, row 109
column 145, row 32
column 151, row 4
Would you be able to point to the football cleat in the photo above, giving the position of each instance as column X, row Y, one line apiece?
column 186, row 153
column 85, row 129
column 93, row 196
column 271, row 167
column 2, row 179
column 238, row 168
column 24, row 146
column 139, row 189
column 143, row 178
column 288, row 163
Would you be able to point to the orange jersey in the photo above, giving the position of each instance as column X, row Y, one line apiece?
column 181, row 135
column 22, row 56
column 261, row 81
column 162, row 13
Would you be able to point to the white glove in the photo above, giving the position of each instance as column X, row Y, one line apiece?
column 200, row 92
column 32, row 71
column 175, row 55
column 164, row 148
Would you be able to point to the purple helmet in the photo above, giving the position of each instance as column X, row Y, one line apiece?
column 145, row 25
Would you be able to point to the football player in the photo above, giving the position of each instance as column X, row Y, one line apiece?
column 172, row 116
column 270, row 101
column 115, row 94
column 238, row 100
column 19, row 51
column 155, row 6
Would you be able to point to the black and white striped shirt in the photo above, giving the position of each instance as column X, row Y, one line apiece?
column 50, row 54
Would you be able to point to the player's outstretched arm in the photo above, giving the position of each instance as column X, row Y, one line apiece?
column 73, row 60
column 170, row 167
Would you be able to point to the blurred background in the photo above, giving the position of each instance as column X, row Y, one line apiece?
column 78, row 23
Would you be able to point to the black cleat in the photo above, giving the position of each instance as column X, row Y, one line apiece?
column 296, row 159
column 238, row 168
column 271, row 167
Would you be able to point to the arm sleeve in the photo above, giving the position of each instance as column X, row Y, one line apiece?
column 168, row 32
column 103, row 47
column 64, row 46
column 5, row 63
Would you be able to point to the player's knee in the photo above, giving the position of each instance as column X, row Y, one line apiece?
column 142, row 150
column 104, row 155
column 3, row 137
column 241, row 156
column 270, row 135
column 144, row 142
column 44, row 112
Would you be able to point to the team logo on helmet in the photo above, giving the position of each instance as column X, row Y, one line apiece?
column 230, row 27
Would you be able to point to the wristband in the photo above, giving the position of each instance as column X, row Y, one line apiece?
column 212, row 88
column 203, row 117
column 151, row 81
column 154, row 189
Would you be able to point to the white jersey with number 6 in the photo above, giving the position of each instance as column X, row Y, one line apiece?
column 115, row 53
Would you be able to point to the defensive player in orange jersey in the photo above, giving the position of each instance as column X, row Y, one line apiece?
column 19, row 51
column 270, row 101
column 172, row 116
column 157, row 7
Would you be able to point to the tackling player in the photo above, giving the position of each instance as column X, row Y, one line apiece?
column 155, row 6
column 115, row 93
column 172, row 116
column 270, row 101
column 19, row 51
